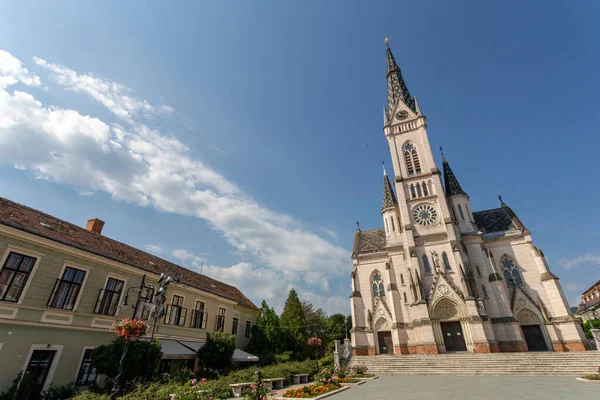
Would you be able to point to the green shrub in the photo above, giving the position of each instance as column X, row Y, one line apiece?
column 21, row 387
column 90, row 396
column 183, row 375
column 217, row 351
column 588, row 325
column 63, row 392
column 593, row 377
column 327, row 362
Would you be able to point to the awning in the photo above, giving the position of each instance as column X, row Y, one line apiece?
column 173, row 350
column 194, row 346
column 242, row 356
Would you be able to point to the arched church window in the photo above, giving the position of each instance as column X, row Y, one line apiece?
column 409, row 164
column 460, row 211
column 426, row 265
column 511, row 272
column 412, row 191
column 393, row 226
column 415, row 158
column 419, row 190
column 425, row 191
column 446, row 261
column 484, row 291
column 453, row 214
column 405, row 299
column 377, row 284
column 402, row 279
column 478, row 270
column 387, row 228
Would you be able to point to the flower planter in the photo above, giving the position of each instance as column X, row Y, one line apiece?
column 322, row 396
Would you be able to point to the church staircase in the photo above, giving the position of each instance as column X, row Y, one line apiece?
column 519, row 364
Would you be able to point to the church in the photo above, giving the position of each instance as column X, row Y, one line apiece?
column 439, row 277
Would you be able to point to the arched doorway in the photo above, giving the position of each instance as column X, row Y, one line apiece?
column 384, row 336
column 450, row 328
column 533, row 331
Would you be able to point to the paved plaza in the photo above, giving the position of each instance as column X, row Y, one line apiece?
column 472, row 388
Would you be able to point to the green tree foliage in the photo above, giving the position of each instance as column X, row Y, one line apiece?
column 141, row 360
column 266, row 339
column 293, row 321
column 589, row 325
column 217, row 352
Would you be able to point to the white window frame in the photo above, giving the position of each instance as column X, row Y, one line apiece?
column 224, row 319
column 248, row 319
column 85, row 278
column 81, row 362
column 58, row 348
column 182, row 307
column 25, row 252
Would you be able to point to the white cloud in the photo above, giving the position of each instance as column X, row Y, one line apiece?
column 331, row 304
column 573, row 262
column 114, row 96
column 12, row 71
column 330, row 233
column 154, row 249
column 86, row 193
column 141, row 165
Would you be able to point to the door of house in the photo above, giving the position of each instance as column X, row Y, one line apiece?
column 534, row 337
column 454, row 339
column 386, row 346
column 39, row 366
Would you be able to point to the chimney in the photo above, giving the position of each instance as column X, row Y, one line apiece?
column 95, row 225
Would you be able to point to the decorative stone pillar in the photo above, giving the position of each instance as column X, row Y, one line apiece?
column 596, row 336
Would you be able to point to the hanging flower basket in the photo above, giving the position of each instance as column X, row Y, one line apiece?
column 131, row 329
column 314, row 341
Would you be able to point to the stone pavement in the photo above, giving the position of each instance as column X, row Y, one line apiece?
column 472, row 388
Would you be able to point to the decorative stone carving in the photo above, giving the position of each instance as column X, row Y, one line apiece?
column 528, row 317
column 522, row 302
column 435, row 258
column 382, row 324
column 443, row 289
column 446, row 312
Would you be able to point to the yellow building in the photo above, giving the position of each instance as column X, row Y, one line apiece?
column 62, row 287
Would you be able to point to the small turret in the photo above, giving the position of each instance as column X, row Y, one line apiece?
column 458, row 199
column 390, row 212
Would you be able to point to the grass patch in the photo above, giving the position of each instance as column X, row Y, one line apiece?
column 593, row 377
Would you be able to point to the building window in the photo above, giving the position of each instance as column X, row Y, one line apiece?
column 425, row 191
column 248, row 329
column 446, row 261
column 199, row 317
column 221, row 319
column 478, row 271
column 66, row 289
column 412, row 159
column 234, row 326
column 484, row 291
column 511, row 272
column 108, row 298
column 413, row 194
column 393, row 226
column 402, row 279
column 426, row 265
column 176, row 312
column 419, row 193
column 460, row 211
column 387, row 227
column 14, row 276
column 87, row 372
column 405, row 299
column 377, row 283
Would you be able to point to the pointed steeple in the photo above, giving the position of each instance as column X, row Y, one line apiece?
column 389, row 198
column 450, row 182
column 396, row 86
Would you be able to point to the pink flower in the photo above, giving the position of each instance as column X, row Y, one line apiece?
column 194, row 381
column 204, row 381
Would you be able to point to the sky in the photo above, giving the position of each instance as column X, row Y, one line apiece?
column 244, row 139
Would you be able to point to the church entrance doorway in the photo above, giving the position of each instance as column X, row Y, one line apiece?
column 386, row 346
column 454, row 340
column 534, row 337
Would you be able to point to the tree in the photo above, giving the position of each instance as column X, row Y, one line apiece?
column 141, row 360
column 589, row 325
column 217, row 351
column 266, row 333
column 293, row 321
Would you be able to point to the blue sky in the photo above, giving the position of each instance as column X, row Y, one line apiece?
column 246, row 137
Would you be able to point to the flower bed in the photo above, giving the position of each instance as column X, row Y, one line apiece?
column 593, row 377
column 309, row 391
column 347, row 380
column 363, row 376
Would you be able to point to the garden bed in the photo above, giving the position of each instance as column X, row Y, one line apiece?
column 364, row 376
column 594, row 378
column 313, row 391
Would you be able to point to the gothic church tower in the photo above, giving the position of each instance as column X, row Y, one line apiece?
column 438, row 277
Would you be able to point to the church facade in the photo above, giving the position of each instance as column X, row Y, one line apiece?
column 438, row 277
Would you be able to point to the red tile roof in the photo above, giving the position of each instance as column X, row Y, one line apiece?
column 38, row 223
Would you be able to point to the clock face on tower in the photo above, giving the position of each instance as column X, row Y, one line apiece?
column 400, row 115
column 425, row 214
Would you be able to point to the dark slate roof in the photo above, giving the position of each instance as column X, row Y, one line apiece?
column 371, row 240
column 450, row 182
column 397, row 88
column 494, row 220
column 389, row 198
column 27, row 219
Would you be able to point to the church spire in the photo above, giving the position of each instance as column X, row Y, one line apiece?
column 396, row 86
column 389, row 198
column 450, row 182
